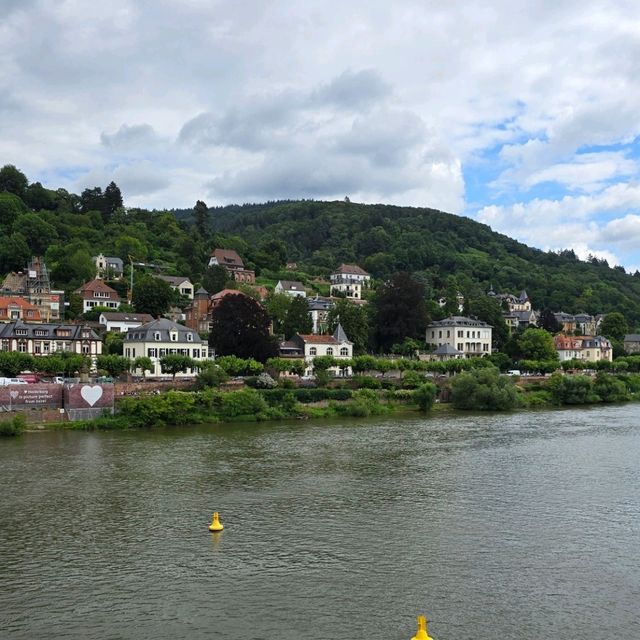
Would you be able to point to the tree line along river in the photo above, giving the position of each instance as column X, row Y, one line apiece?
column 519, row 526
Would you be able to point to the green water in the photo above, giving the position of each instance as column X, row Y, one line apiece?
column 523, row 526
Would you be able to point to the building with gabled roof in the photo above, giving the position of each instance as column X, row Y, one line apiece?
column 15, row 308
column 180, row 284
column 587, row 348
column 110, row 267
column 232, row 262
column 122, row 322
column 310, row 346
column 96, row 293
column 291, row 288
column 348, row 280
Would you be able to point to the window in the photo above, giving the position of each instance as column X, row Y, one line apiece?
column 156, row 336
column 448, row 334
column 41, row 332
column 21, row 332
column 152, row 353
column 189, row 337
column 22, row 346
column 196, row 353
column 344, row 351
column 313, row 351
column 460, row 334
column 460, row 346
column 439, row 334
column 173, row 336
column 329, row 351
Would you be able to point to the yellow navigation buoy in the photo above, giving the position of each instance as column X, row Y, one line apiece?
column 422, row 634
column 216, row 525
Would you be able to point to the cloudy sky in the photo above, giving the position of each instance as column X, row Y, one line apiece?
column 523, row 114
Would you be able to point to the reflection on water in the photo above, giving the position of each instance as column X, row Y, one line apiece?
column 513, row 526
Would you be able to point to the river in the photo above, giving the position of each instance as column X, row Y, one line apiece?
column 520, row 526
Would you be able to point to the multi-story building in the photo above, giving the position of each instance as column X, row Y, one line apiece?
column 108, row 267
column 348, row 280
column 33, row 285
column 232, row 262
column 631, row 343
column 163, row 337
column 319, row 310
column 311, row 346
column 587, row 348
column 469, row 337
column 13, row 308
column 43, row 339
column 197, row 313
column 96, row 293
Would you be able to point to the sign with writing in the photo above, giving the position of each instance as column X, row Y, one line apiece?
column 88, row 396
column 30, row 396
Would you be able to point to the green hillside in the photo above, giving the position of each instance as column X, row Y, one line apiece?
column 447, row 253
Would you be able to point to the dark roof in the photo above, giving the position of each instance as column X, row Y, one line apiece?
column 147, row 331
column 228, row 257
column 291, row 285
column 96, row 285
column 174, row 280
column 320, row 304
column 8, row 330
column 459, row 321
column 632, row 337
column 446, row 350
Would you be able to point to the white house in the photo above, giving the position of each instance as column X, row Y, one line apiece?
column 311, row 346
column 163, row 337
column 348, row 280
column 96, row 293
column 122, row 322
column 180, row 284
column 290, row 288
column 470, row 337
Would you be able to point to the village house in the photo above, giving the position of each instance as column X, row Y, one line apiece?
column 586, row 348
column 311, row 346
column 290, row 288
column 108, row 267
column 469, row 337
column 43, row 339
column 232, row 262
column 180, row 284
column 96, row 293
column 319, row 311
column 348, row 280
column 122, row 322
column 580, row 323
column 33, row 285
column 197, row 313
column 13, row 308
column 162, row 337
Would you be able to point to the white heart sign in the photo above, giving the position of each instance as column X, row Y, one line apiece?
column 90, row 394
column 14, row 394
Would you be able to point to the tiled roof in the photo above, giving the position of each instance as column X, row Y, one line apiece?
column 351, row 269
column 174, row 280
column 459, row 321
column 291, row 285
column 163, row 326
column 114, row 316
column 97, row 285
column 8, row 330
column 632, row 337
column 228, row 257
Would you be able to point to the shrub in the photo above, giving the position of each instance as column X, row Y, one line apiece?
column 245, row 402
column 14, row 426
column 412, row 379
column 265, row 381
column 366, row 382
column 211, row 376
column 610, row 389
column 484, row 390
column 425, row 396
column 576, row 389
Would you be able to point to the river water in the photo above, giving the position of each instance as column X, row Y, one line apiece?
column 522, row 526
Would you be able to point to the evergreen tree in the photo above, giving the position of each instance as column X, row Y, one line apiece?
column 111, row 201
column 201, row 217
column 298, row 318
column 13, row 180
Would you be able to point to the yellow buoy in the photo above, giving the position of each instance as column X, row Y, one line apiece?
column 216, row 525
column 422, row 634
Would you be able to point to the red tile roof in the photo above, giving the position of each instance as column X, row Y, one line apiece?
column 228, row 257
column 97, row 285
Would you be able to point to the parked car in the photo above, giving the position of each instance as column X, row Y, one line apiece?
column 30, row 378
column 7, row 381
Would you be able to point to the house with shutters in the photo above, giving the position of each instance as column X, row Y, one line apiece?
column 469, row 337
column 162, row 337
column 586, row 348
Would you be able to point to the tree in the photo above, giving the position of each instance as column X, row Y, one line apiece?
column 143, row 363
column 215, row 278
column 354, row 321
column 425, row 396
column 201, row 218
column 113, row 364
column 111, row 201
column 114, row 342
column 277, row 305
column 240, row 326
column 548, row 321
column 38, row 198
column 13, row 362
column 489, row 310
column 537, row 344
column 152, row 295
column 39, row 233
column 92, row 200
column 10, row 208
column 14, row 252
column 614, row 326
column 176, row 363
column 298, row 319
column 13, row 180
column 400, row 311
column 484, row 390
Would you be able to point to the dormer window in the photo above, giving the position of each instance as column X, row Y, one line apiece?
column 21, row 332
column 173, row 336
column 156, row 336
column 189, row 337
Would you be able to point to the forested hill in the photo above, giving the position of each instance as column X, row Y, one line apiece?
column 446, row 251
